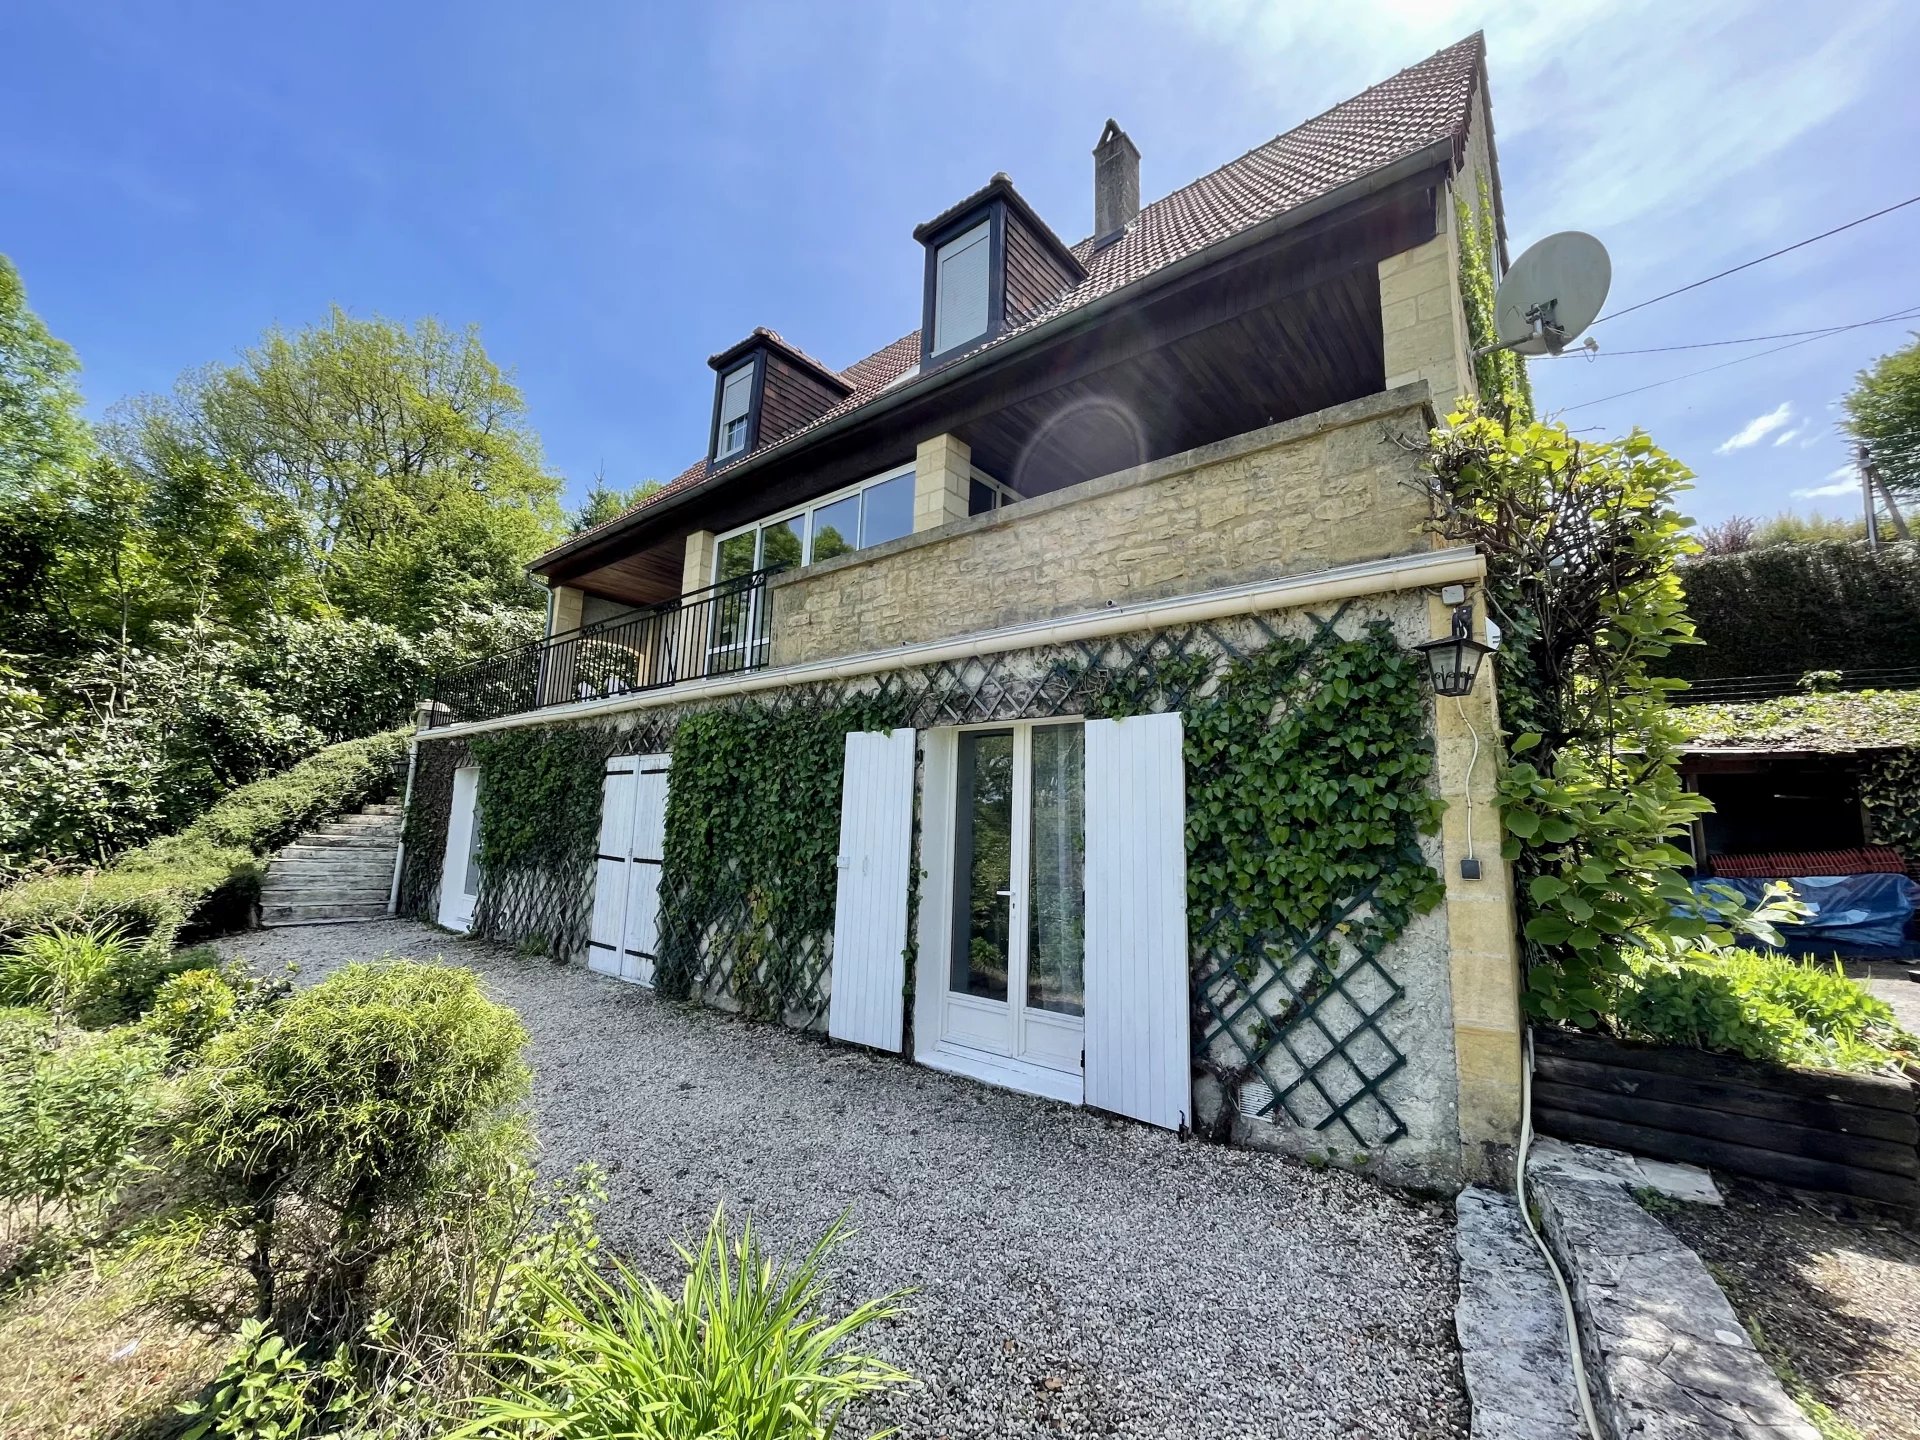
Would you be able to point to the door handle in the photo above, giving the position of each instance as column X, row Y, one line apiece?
column 1007, row 893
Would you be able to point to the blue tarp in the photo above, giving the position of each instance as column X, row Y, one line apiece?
column 1852, row 914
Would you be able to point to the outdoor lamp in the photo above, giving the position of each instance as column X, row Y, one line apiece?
column 1454, row 660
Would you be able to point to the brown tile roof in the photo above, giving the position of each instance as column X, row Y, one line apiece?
column 1400, row 116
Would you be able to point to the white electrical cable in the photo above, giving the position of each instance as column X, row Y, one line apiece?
column 1553, row 1266
column 1472, row 760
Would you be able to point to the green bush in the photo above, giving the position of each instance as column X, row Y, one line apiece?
column 742, row 1350
column 189, row 1009
column 338, row 1114
column 72, row 1109
column 1763, row 1006
column 207, row 878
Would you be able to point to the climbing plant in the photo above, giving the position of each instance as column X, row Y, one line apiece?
column 540, row 790
column 1505, row 388
column 1583, row 543
column 753, row 828
column 1890, row 794
column 1307, row 769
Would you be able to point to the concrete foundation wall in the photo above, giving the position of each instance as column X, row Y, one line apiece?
column 1323, row 490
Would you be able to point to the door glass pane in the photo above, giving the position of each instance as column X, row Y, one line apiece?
column 983, row 858
column 1056, row 910
column 888, row 510
column 836, row 528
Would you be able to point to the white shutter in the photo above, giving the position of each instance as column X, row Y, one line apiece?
column 458, row 869
column 866, row 1005
column 735, row 395
column 610, row 865
column 1138, row 1060
column 640, row 942
column 961, row 288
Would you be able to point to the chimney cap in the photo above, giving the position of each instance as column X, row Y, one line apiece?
column 1111, row 134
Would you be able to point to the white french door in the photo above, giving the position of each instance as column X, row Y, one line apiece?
column 1004, row 998
column 624, row 938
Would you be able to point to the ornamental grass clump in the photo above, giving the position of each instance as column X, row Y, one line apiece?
column 743, row 1351
column 325, row 1130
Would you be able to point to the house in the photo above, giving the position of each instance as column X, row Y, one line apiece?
column 1107, row 502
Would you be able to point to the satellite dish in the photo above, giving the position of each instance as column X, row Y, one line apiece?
column 1552, row 293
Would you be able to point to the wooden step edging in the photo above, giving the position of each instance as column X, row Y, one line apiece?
column 1817, row 1130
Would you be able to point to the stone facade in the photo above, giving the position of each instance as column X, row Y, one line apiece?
column 1326, row 489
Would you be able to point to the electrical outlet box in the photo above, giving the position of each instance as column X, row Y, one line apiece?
column 1469, row 868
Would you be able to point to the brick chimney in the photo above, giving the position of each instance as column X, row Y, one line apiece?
column 1116, row 185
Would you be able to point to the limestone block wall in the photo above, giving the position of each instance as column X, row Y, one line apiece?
column 1326, row 489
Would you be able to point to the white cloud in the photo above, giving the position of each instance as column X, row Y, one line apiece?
column 1788, row 435
column 1756, row 429
column 1839, row 482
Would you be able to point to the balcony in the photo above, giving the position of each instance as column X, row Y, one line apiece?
column 721, row 630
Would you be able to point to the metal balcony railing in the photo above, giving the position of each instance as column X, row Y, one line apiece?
column 720, row 630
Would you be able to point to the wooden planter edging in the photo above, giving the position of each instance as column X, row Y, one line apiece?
column 1818, row 1130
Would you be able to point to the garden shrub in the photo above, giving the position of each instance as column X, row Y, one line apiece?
column 324, row 1123
column 189, row 1009
column 73, row 1107
column 1763, row 1006
column 742, row 1350
column 207, row 878
column 70, row 972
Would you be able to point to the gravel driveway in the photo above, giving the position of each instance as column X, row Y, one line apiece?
column 1075, row 1275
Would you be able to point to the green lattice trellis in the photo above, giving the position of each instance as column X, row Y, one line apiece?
column 1296, row 1024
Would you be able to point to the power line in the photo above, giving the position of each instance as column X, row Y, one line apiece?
column 1741, row 360
column 1578, row 354
column 1748, row 265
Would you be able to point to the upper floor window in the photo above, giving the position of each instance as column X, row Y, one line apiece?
column 732, row 431
column 962, row 280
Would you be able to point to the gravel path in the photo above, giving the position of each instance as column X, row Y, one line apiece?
column 1075, row 1275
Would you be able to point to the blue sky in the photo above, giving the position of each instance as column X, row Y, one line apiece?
column 615, row 191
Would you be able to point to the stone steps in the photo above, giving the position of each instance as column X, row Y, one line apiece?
column 335, row 874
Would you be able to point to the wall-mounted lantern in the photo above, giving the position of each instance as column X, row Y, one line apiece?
column 1453, row 661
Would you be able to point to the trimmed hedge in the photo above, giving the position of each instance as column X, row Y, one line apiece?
column 1787, row 609
column 206, row 879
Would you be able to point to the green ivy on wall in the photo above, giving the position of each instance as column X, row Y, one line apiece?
column 753, row 830
column 1307, row 770
column 1890, row 794
column 540, row 793
column 1505, row 388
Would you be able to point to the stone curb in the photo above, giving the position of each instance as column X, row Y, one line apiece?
column 1667, row 1359
column 1513, row 1334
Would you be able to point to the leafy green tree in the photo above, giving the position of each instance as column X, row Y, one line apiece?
column 402, row 455
column 606, row 502
column 1883, row 412
column 41, row 431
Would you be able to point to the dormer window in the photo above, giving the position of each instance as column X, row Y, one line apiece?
column 960, row 287
column 992, row 264
column 732, row 433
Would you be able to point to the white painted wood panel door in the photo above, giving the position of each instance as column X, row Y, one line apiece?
column 460, row 867
column 646, row 853
column 867, row 1003
column 1138, row 1040
column 624, row 936
column 610, row 866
